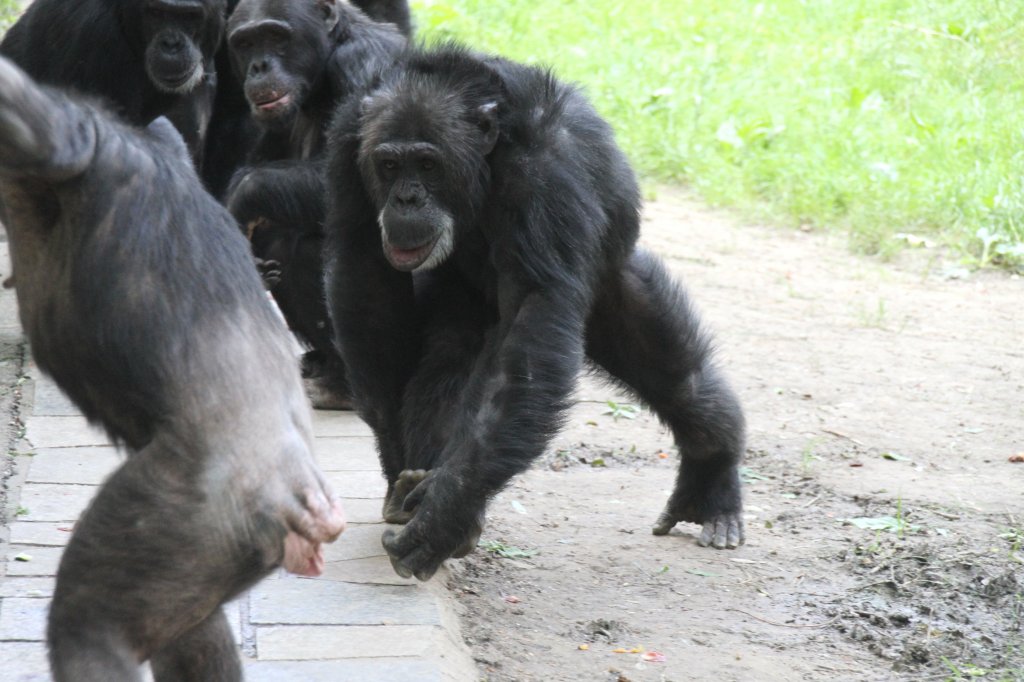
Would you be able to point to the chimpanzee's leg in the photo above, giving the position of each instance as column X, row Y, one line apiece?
column 206, row 652
column 644, row 332
column 148, row 561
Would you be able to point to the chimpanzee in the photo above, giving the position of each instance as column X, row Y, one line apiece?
column 482, row 228
column 297, row 60
column 232, row 131
column 139, row 297
column 147, row 58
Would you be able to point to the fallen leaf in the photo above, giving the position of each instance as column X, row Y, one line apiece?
column 23, row 557
column 654, row 657
column 894, row 457
column 703, row 574
column 662, row 455
column 1018, row 458
column 856, row 464
column 583, row 647
column 620, row 650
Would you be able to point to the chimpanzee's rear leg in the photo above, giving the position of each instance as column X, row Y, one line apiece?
column 645, row 334
column 206, row 652
column 149, row 563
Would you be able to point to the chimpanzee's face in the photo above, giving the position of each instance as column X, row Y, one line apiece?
column 179, row 36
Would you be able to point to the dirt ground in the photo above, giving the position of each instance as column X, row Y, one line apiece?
column 884, row 395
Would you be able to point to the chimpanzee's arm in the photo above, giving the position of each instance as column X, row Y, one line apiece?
column 519, row 389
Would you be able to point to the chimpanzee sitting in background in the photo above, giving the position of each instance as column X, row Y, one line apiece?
column 232, row 134
column 147, row 59
column 482, row 229
column 297, row 60
column 139, row 298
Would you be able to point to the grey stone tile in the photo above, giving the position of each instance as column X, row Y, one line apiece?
column 357, row 670
column 316, row 642
column 88, row 465
column 55, row 502
column 357, row 484
column 347, row 454
column 298, row 601
column 50, row 401
column 357, row 542
column 24, row 662
column 43, row 562
column 27, row 587
column 23, row 619
column 339, row 423
column 362, row 510
column 63, row 432
column 41, row 533
column 371, row 571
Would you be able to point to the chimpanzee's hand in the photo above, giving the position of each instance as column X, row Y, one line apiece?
column 445, row 523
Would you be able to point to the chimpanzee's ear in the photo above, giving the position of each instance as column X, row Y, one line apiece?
column 487, row 121
column 329, row 10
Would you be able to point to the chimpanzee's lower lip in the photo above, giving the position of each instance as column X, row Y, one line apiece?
column 275, row 103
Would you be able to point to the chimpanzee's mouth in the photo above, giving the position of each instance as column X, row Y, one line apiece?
column 274, row 102
column 408, row 260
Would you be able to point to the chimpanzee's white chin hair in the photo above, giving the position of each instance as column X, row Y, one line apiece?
column 188, row 86
column 443, row 248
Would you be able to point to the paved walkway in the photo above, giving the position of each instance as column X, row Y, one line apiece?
column 358, row 622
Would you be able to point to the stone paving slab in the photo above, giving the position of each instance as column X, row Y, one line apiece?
column 362, row 511
column 290, row 602
column 89, row 465
column 359, row 622
column 24, row 662
column 45, row 533
column 305, row 642
column 347, row 453
column 26, row 587
column 54, row 501
column 63, row 432
column 42, row 561
column 357, row 485
column 23, row 619
column 379, row 670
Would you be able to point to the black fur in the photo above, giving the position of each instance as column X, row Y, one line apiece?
column 482, row 229
column 130, row 53
column 392, row 11
column 139, row 298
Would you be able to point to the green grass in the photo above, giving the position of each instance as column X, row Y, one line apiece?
column 8, row 13
column 878, row 117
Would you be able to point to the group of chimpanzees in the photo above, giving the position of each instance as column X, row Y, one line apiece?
column 452, row 235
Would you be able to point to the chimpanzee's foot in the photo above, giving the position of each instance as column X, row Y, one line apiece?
column 395, row 499
column 722, row 531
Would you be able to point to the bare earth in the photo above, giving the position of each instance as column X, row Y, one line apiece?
column 872, row 390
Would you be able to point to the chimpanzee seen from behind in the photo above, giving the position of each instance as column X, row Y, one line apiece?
column 138, row 295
